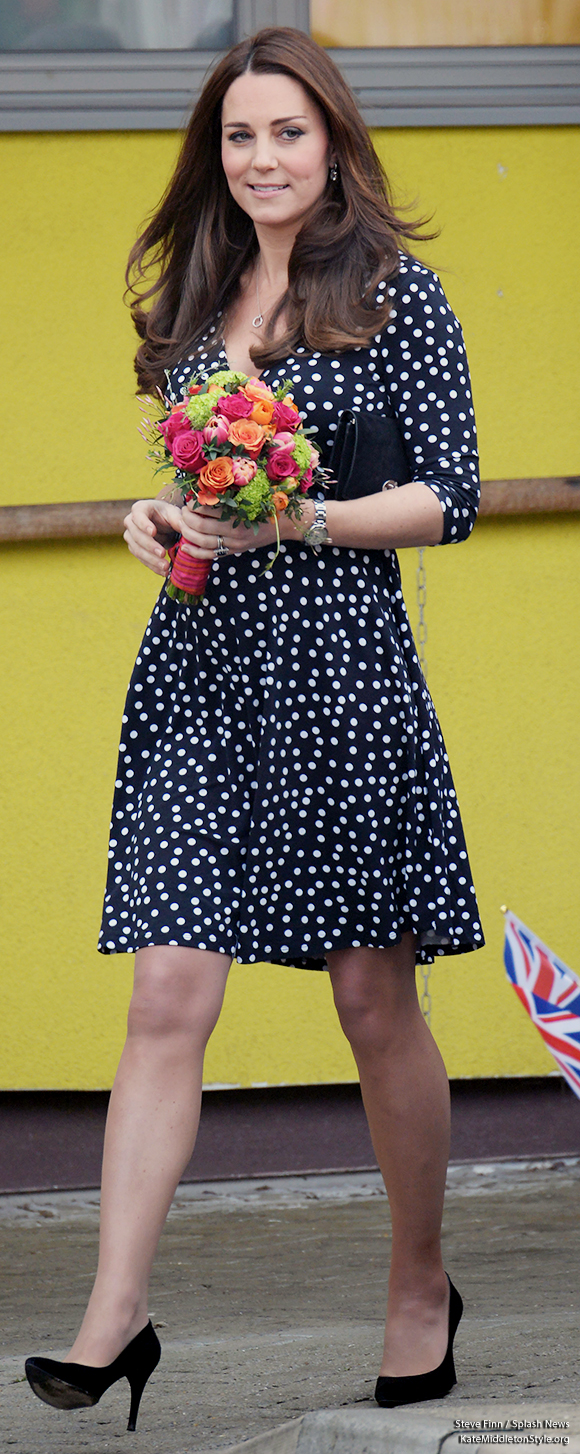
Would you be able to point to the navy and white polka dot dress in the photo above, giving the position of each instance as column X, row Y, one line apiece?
column 283, row 787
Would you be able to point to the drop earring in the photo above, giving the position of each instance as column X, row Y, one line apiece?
column 333, row 172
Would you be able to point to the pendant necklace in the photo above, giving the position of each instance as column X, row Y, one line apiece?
column 259, row 319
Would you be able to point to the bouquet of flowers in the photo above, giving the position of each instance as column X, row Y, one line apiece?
column 238, row 444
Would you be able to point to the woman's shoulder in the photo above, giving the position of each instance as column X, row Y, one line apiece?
column 415, row 284
column 419, row 307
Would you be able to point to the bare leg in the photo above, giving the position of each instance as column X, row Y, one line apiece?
column 406, row 1096
column 151, row 1129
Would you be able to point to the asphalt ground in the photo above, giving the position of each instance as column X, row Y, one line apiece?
column 268, row 1296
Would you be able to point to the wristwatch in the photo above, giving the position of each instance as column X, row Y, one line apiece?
column 317, row 534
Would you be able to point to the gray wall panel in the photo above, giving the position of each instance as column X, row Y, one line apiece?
column 142, row 90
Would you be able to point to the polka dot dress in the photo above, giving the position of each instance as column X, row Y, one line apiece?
column 283, row 788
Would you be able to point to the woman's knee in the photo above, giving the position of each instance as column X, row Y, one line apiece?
column 177, row 991
column 375, row 994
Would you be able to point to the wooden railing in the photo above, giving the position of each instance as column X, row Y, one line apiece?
column 85, row 518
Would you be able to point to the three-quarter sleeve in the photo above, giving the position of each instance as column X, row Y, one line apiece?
column 421, row 356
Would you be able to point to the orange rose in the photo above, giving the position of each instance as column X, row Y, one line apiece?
column 206, row 497
column 248, row 433
column 279, row 500
column 255, row 389
column 217, row 475
column 262, row 411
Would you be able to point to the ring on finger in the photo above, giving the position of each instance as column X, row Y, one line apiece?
column 221, row 548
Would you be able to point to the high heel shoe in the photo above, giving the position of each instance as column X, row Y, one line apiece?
column 79, row 1386
column 390, row 1392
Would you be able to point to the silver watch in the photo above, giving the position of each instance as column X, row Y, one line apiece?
column 317, row 534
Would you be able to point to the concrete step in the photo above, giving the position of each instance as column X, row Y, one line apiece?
column 430, row 1429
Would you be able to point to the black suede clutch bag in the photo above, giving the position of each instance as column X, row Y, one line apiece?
column 367, row 450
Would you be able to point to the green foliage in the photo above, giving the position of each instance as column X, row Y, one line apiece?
column 282, row 390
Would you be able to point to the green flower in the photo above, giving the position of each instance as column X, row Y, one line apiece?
column 228, row 379
column 256, row 496
column 301, row 452
column 199, row 409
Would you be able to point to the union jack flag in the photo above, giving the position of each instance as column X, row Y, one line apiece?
column 549, row 991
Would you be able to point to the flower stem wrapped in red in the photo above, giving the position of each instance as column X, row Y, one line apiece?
column 238, row 444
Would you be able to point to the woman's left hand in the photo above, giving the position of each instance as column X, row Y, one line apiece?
column 201, row 529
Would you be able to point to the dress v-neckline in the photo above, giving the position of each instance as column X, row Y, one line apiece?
column 223, row 353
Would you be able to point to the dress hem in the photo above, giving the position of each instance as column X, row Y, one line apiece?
column 426, row 954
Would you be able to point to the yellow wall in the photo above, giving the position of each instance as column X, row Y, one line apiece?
column 502, row 610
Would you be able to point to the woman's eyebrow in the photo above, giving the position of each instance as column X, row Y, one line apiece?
column 278, row 122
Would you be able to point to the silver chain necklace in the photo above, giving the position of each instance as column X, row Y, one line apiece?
column 259, row 319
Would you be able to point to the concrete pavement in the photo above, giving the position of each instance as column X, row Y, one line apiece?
column 268, row 1297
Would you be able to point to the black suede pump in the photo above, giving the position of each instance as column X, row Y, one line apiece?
column 390, row 1392
column 78, row 1385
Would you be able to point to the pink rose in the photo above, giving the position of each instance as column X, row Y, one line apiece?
column 280, row 464
column 187, row 451
column 314, row 459
column 283, row 440
column 216, row 430
column 244, row 471
column 173, row 425
column 234, row 406
column 306, row 480
column 285, row 416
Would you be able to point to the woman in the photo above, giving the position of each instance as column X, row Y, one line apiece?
column 284, row 792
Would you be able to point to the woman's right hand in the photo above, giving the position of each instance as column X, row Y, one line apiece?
column 150, row 529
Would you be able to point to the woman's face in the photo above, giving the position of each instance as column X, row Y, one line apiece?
column 275, row 148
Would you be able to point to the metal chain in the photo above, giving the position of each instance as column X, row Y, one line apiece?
column 421, row 604
column 425, row 1000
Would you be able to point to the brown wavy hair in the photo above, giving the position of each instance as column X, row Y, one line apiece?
column 188, row 262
